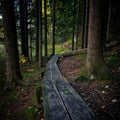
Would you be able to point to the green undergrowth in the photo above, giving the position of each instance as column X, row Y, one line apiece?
column 112, row 60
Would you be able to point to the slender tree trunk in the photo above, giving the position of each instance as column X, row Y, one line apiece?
column 73, row 35
column 85, row 24
column 78, row 25
column 53, row 27
column 96, row 66
column 40, row 32
column 105, row 14
column 45, row 25
column 37, row 30
column 108, row 23
column 11, row 45
column 24, row 27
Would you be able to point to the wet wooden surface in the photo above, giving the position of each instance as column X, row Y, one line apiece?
column 61, row 101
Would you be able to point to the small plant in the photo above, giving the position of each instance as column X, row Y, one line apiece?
column 113, row 58
column 82, row 76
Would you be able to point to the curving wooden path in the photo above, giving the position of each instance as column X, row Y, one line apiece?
column 61, row 101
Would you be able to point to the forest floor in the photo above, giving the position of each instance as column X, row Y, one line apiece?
column 24, row 102
column 102, row 96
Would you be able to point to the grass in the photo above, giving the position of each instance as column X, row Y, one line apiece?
column 29, row 113
column 113, row 58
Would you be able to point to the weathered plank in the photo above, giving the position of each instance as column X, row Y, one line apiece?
column 77, row 108
column 53, row 105
column 54, row 59
column 61, row 101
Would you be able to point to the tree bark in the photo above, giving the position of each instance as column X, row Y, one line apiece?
column 53, row 27
column 40, row 32
column 85, row 24
column 37, row 30
column 24, row 27
column 11, row 45
column 45, row 25
column 95, row 62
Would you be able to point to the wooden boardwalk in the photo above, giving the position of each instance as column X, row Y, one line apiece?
column 61, row 101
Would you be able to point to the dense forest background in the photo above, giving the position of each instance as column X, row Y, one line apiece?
column 44, row 28
column 70, row 25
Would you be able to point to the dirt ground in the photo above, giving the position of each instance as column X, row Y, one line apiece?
column 24, row 102
column 102, row 96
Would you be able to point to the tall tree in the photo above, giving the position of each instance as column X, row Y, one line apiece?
column 45, row 27
column 96, row 66
column 78, row 24
column 73, row 36
column 53, row 27
column 40, row 32
column 85, row 24
column 11, row 45
column 37, row 30
column 24, row 27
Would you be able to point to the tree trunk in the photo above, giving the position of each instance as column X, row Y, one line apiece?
column 85, row 24
column 78, row 25
column 11, row 45
column 96, row 66
column 40, row 32
column 24, row 27
column 45, row 25
column 37, row 30
column 73, row 32
column 53, row 27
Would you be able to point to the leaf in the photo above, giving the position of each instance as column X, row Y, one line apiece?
column 114, row 100
column 66, row 92
column 106, row 86
column 103, row 106
column 103, row 92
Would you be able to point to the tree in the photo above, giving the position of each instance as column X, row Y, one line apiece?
column 40, row 32
column 37, row 30
column 73, row 36
column 24, row 27
column 45, row 25
column 96, row 66
column 11, row 45
column 53, row 27
column 85, row 24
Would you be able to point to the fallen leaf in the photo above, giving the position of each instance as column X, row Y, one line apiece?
column 114, row 100
column 103, row 92
column 66, row 92
column 103, row 106
column 106, row 86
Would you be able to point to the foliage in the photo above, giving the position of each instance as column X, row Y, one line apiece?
column 113, row 58
column 23, row 59
column 82, row 76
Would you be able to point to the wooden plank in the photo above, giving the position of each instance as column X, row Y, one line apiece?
column 76, row 107
column 54, row 59
column 61, row 101
column 53, row 105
